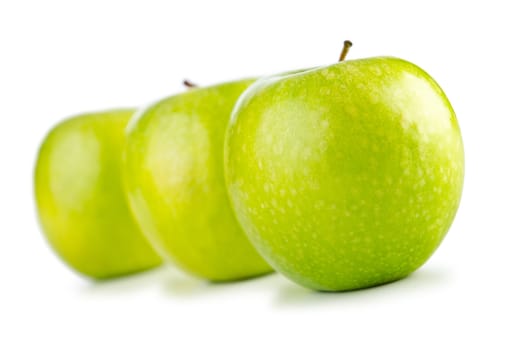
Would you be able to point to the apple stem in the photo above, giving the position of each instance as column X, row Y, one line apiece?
column 189, row 84
column 346, row 46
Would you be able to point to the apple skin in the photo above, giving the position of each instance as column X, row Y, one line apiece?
column 175, row 181
column 80, row 199
column 346, row 176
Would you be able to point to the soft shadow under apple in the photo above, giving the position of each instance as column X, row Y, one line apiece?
column 292, row 295
column 179, row 285
column 129, row 283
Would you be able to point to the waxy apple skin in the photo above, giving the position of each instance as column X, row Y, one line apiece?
column 80, row 198
column 176, row 186
column 346, row 176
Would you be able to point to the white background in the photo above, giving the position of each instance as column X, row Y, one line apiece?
column 59, row 58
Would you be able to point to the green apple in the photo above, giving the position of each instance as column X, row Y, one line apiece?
column 345, row 176
column 175, row 182
column 80, row 198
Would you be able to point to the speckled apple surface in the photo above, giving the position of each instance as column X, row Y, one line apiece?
column 346, row 176
column 175, row 181
column 80, row 199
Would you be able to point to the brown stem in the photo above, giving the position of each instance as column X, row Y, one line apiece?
column 346, row 46
column 189, row 84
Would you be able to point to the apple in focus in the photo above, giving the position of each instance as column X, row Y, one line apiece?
column 345, row 176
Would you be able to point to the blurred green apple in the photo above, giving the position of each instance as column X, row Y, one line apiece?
column 80, row 198
column 345, row 176
column 175, row 181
